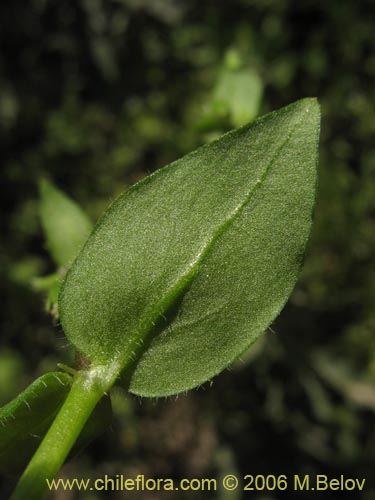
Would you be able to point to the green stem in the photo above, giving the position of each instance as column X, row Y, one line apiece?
column 87, row 389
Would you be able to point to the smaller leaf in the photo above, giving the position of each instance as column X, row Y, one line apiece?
column 239, row 94
column 236, row 97
column 65, row 225
column 25, row 420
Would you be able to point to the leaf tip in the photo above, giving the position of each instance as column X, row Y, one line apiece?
column 310, row 105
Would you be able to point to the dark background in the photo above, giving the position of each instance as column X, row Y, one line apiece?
column 96, row 94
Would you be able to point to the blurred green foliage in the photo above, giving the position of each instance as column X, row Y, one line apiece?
column 94, row 95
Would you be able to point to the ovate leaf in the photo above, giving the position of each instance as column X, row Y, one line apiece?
column 65, row 225
column 187, row 268
column 25, row 420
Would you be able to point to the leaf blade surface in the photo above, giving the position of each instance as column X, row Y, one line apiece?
column 184, row 234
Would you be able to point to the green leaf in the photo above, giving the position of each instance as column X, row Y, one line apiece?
column 235, row 99
column 65, row 225
column 239, row 94
column 186, row 269
column 25, row 420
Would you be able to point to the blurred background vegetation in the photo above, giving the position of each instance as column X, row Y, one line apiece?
column 96, row 94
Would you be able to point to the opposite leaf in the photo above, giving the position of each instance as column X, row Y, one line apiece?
column 187, row 268
column 25, row 420
column 66, row 226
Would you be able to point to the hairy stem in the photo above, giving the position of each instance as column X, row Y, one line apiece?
column 87, row 390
